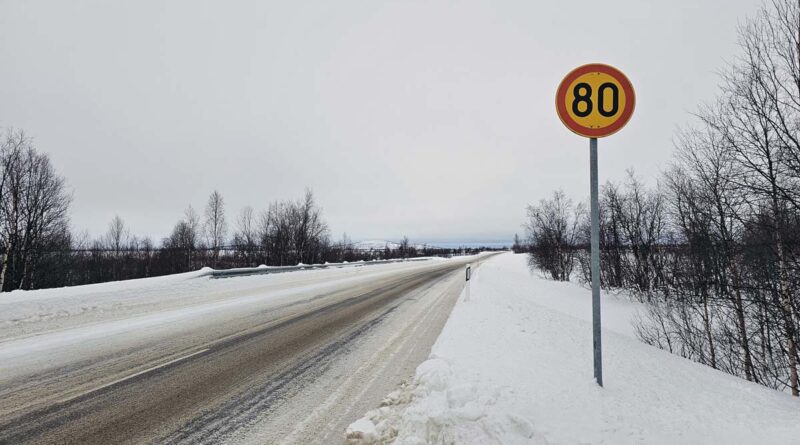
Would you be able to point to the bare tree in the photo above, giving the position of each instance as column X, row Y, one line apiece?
column 517, row 247
column 310, row 231
column 404, row 247
column 245, row 238
column 116, row 239
column 117, row 235
column 192, row 235
column 37, row 249
column 215, row 225
column 33, row 211
column 192, row 221
column 553, row 235
column 183, row 242
column 758, row 116
column 729, row 298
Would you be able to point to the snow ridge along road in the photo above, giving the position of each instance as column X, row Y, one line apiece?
column 293, row 357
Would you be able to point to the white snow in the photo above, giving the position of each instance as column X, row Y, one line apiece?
column 375, row 244
column 513, row 365
column 382, row 244
column 22, row 312
column 362, row 429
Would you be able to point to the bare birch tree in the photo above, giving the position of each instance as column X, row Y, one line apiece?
column 215, row 225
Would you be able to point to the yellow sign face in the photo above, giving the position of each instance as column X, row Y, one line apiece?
column 595, row 100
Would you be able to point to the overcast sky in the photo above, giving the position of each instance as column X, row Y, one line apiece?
column 431, row 119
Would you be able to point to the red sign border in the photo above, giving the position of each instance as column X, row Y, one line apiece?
column 561, row 93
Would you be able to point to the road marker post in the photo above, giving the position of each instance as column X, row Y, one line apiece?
column 469, row 273
column 595, row 101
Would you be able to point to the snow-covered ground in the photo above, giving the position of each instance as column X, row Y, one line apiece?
column 513, row 365
column 375, row 244
column 382, row 244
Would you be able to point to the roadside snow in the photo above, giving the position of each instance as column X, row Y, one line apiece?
column 27, row 313
column 513, row 365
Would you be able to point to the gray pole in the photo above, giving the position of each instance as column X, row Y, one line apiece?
column 595, row 210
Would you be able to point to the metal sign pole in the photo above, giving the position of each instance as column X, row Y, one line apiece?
column 595, row 259
column 582, row 104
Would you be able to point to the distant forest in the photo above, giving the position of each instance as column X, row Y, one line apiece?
column 712, row 249
column 39, row 250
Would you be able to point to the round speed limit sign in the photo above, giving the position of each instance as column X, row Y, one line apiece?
column 595, row 100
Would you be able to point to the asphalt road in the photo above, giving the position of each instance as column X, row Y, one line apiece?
column 295, row 372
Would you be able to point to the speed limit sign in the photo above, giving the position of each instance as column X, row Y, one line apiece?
column 595, row 100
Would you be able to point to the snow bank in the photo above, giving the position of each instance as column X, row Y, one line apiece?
column 513, row 365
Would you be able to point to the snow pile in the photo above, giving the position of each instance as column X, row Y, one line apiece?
column 513, row 365
column 380, row 425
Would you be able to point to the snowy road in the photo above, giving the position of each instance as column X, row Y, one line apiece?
column 291, row 358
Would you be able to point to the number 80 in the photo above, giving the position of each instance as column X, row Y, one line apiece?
column 582, row 92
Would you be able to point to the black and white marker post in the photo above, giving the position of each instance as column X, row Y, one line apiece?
column 469, row 272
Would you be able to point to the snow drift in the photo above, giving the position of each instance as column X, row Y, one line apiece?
column 513, row 365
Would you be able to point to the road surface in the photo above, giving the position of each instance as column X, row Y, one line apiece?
column 257, row 359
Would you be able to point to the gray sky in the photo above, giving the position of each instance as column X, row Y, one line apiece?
column 431, row 119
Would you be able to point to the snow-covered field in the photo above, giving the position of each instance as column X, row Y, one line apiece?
column 382, row 244
column 513, row 365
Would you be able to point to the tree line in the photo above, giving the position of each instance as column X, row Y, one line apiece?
column 39, row 250
column 713, row 248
